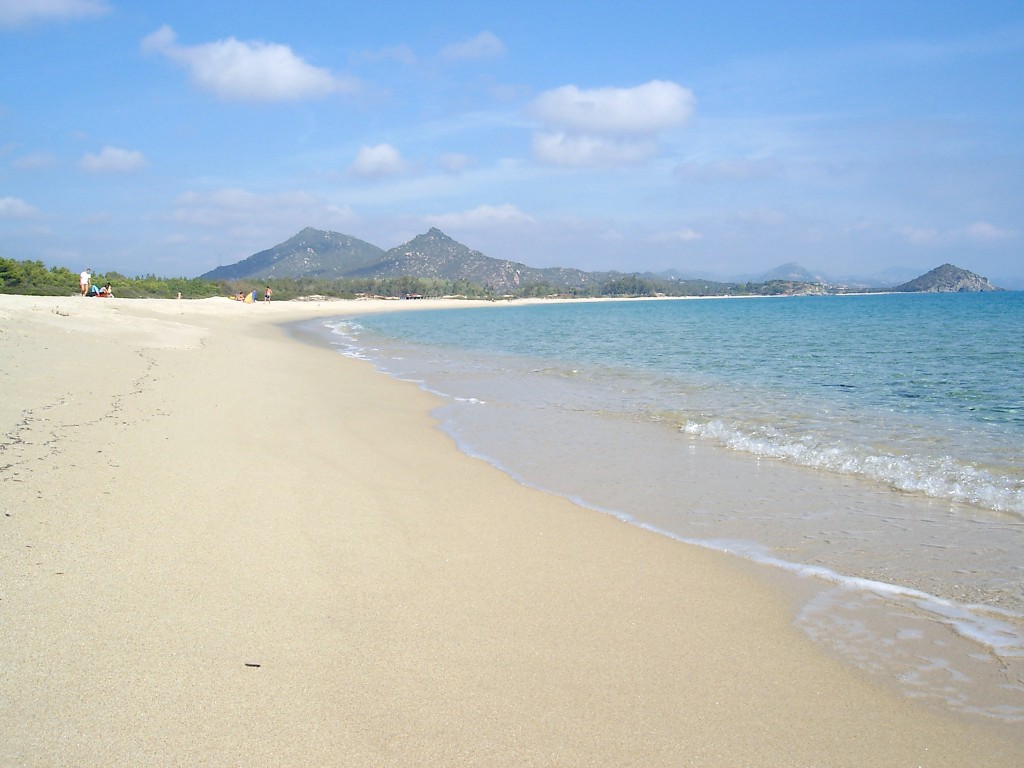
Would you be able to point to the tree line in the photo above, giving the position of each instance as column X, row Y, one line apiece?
column 33, row 278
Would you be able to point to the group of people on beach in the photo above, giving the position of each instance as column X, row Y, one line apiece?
column 250, row 297
column 87, row 288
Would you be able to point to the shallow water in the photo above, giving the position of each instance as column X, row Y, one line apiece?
column 872, row 445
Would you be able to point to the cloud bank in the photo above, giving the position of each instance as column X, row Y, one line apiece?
column 256, row 71
column 482, row 216
column 15, row 208
column 16, row 12
column 684, row 235
column 607, row 126
column 114, row 160
column 979, row 232
column 484, row 46
column 456, row 162
column 377, row 161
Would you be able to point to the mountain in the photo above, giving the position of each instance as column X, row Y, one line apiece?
column 330, row 255
column 436, row 255
column 310, row 253
column 947, row 279
column 792, row 272
column 314, row 253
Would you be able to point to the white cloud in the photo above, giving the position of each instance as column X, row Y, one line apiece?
column 919, row 235
column 229, row 224
column 979, row 231
column 580, row 150
column 14, row 208
column 400, row 54
column 380, row 160
column 34, row 162
column 114, row 160
column 607, row 126
column 482, row 216
column 685, row 235
column 728, row 169
column 455, row 162
column 221, row 206
column 763, row 217
column 982, row 230
column 236, row 218
column 484, row 46
column 248, row 71
column 644, row 109
column 14, row 12
column 218, row 206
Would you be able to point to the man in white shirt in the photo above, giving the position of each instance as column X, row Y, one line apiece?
column 83, row 281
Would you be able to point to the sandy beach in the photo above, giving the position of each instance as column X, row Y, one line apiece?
column 222, row 546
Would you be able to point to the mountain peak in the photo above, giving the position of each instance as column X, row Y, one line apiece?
column 433, row 234
column 947, row 279
column 792, row 271
column 309, row 253
column 322, row 254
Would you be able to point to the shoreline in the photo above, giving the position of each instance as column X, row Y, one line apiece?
column 225, row 547
column 945, row 642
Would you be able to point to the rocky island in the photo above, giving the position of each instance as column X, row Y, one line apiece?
column 947, row 279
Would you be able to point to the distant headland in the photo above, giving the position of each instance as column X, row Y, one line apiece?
column 947, row 279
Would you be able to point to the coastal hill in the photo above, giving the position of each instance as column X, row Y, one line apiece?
column 332, row 255
column 310, row 253
column 947, row 279
column 319, row 254
column 435, row 255
column 793, row 272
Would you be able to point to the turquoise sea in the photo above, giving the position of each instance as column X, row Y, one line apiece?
column 868, row 448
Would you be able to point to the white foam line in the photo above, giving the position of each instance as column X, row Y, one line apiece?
column 941, row 477
column 999, row 636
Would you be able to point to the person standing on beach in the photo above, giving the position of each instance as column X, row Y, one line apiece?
column 267, row 294
column 84, row 281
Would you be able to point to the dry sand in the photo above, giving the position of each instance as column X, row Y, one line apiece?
column 223, row 547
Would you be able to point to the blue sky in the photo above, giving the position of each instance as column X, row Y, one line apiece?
column 717, row 138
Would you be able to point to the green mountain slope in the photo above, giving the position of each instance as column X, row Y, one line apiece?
column 314, row 253
column 310, row 253
column 436, row 255
column 947, row 279
column 329, row 255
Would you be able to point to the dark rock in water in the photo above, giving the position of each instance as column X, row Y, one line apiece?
column 947, row 279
